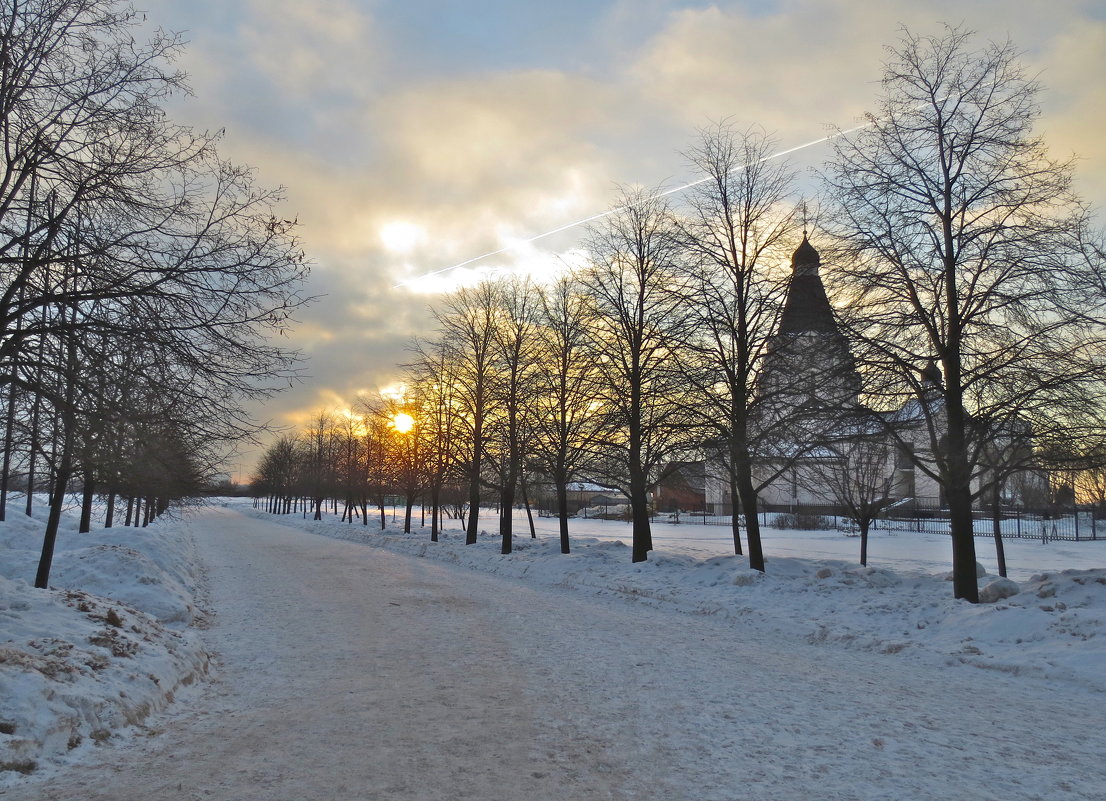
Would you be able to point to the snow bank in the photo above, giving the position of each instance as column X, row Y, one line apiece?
column 1052, row 625
column 103, row 648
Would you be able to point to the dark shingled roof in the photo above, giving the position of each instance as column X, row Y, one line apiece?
column 807, row 308
column 805, row 254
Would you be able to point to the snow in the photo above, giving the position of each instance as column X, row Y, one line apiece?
column 1047, row 620
column 364, row 664
column 105, row 647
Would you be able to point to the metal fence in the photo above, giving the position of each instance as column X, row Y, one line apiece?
column 1071, row 523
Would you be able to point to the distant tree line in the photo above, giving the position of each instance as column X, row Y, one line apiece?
column 967, row 275
column 140, row 273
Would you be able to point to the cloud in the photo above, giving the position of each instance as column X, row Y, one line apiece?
column 1074, row 104
column 397, row 173
column 312, row 51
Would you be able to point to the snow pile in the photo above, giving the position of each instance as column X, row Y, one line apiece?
column 80, row 663
column 1051, row 624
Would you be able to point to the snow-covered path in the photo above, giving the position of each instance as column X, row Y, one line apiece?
column 348, row 672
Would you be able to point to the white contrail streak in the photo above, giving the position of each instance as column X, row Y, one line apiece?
column 608, row 212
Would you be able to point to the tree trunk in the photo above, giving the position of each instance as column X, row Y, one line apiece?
column 474, row 508
column 526, row 502
column 506, row 510
column 86, row 504
column 109, row 517
column 996, row 523
column 735, row 513
column 964, row 582
column 529, row 514
column 639, row 509
column 562, row 513
column 748, row 497
column 42, row 578
column 61, row 476
column 639, row 496
column 435, row 510
column 407, row 514
column 9, row 434
column 865, row 523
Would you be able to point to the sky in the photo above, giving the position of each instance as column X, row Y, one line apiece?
column 413, row 135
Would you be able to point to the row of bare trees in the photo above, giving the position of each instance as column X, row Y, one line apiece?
column 140, row 273
column 965, row 272
column 356, row 459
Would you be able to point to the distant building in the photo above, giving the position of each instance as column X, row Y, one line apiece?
column 691, row 486
column 810, row 383
column 809, row 386
column 586, row 495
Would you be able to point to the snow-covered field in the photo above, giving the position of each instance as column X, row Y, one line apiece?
column 122, row 633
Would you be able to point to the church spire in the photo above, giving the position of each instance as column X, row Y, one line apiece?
column 809, row 359
column 807, row 309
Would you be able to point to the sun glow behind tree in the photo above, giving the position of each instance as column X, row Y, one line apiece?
column 402, row 422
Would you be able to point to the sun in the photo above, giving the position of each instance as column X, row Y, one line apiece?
column 403, row 422
column 401, row 237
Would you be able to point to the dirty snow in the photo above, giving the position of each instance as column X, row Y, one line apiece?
column 106, row 646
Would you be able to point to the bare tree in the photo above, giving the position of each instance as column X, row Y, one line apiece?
column 968, row 247
column 379, row 455
column 516, row 344
column 633, row 280
column 567, row 417
column 736, row 230
column 278, row 474
column 432, row 377
column 856, row 472
column 409, row 457
column 321, row 447
column 468, row 320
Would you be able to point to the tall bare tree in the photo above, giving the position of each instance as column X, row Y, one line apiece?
column 736, row 231
column 968, row 245
column 634, row 280
column 516, row 344
column 567, row 416
column 468, row 320
column 432, row 377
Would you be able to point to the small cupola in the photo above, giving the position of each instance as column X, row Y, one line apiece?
column 805, row 259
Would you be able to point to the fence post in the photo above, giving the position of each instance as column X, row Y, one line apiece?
column 1018, row 520
column 1076, row 508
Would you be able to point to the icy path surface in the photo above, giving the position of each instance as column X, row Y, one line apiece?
column 348, row 672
